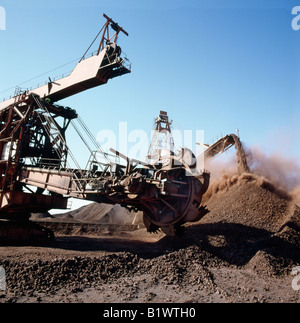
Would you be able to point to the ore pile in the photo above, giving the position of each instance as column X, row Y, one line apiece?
column 252, row 223
column 99, row 213
column 81, row 272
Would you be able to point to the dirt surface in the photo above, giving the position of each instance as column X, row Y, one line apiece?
column 244, row 250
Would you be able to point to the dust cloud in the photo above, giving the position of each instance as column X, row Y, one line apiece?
column 274, row 172
column 282, row 171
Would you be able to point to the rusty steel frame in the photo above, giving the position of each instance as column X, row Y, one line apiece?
column 25, row 141
column 114, row 37
column 219, row 147
column 162, row 138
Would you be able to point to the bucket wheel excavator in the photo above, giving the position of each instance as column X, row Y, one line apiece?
column 35, row 170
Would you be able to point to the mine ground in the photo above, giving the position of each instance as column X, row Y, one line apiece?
column 245, row 250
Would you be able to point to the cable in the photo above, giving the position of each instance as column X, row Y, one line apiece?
column 92, row 138
column 91, row 44
column 81, row 136
column 34, row 78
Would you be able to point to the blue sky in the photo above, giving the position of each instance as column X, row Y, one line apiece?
column 213, row 65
